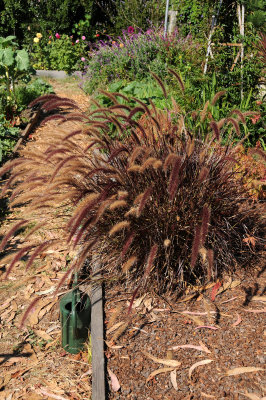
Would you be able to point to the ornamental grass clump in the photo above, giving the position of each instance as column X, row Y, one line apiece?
column 161, row 205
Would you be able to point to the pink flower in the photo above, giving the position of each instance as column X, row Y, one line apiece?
column 50, row 37
column 77, row 41
column 130, row 29
column 83, row 59
column 57, row 36
column 83, row 37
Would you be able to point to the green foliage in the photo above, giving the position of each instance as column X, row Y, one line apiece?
column 58, row 53
column 25, row 94
column 132, row 57
column 24, row 16
column 140, row 14
column 8, row 138
column 14, row 68
column 194, row 16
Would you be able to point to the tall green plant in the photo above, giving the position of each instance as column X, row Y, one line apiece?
column 14, row 67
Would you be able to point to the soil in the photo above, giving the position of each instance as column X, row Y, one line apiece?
column 229, row 327
column 224, row 320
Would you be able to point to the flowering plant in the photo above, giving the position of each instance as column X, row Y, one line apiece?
column 58, row 52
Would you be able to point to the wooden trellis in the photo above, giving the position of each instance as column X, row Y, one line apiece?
column 240, row 54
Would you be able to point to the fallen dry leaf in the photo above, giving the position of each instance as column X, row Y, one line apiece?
column 197, row 364
column 209, row 396
column 256, row 311
column 238, row 321
column 173, row 379
column 191, row 346
column 114, row 381
column 258, row 298
column 197, row 320
column 113, row 346
column 242, row 370
column 114, row 327
column 251, row 396
column 43, row 334
column 157, row 372
column 170, row 363
column 214, row 291
column 44, row 391
column 207, row 327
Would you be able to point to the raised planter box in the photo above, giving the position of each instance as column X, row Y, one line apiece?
column 56, row 74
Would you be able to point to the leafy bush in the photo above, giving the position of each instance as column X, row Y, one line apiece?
column 132, row 56
column 161, row 203
column 8, row 138
column 25, row 94
column 14, row 68
column 58, row 52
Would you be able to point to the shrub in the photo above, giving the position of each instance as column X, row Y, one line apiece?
column 133, row 55
column 8, row 137
column 58, row 52
column 161, row 204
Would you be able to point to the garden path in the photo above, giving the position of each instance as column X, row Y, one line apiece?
column 34, row 366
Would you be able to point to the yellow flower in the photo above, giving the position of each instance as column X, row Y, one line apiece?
column 49, row 42
column 121, row 45
column 39, row 35
column 36, row 40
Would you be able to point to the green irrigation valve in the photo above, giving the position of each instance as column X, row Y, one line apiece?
column 75, row 317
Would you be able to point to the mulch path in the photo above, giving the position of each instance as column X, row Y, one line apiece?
column 34, row 365
column 226, row 324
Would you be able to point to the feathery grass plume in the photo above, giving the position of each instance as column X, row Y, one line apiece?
column 217, row 96
column 144, row 199
column 135, row 168
column 151, row 257
column 171, row 159
column 52, row 118
column 117, row 151
column 122, row 194
column 174, row 178
column 181, row 84
column 17, row 257
column 259, row 152
column 149, row 162
column 109, row 95
column 129, row 263
column 43, row 246
column 235, row 124
column 109, row 173
column 135, row 154
column 127, row 244
column 239, row 114
column 28, row 311
column 214, row 126
column 204, row 172
column 43, row 99
column 195, row 246
column 132, row 211
column 205, row 216
column 134, row 112
column 118, row 204
column 190, row 147
column 11, row 232
column 118, row 227
column 203, row 113
column 210, row 258
column 160, row 83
